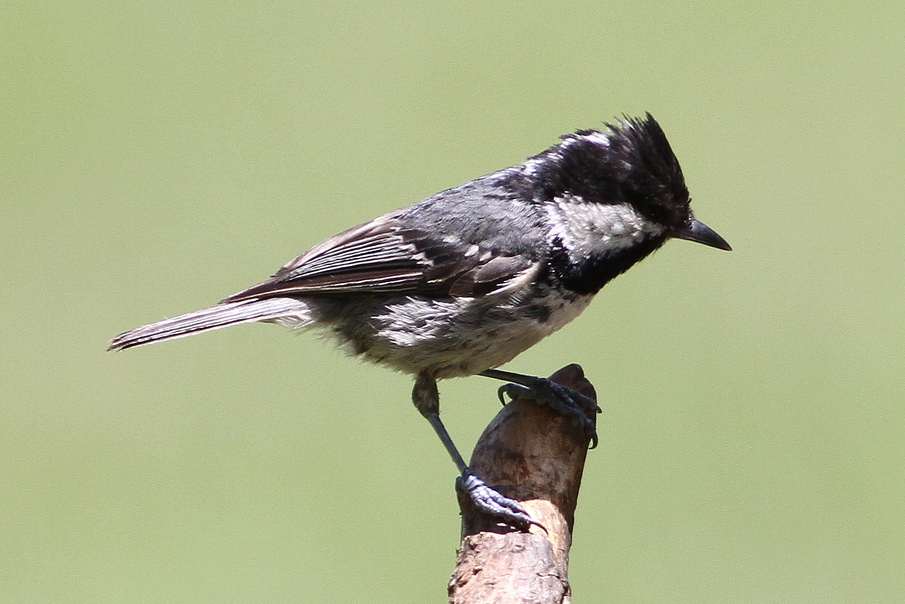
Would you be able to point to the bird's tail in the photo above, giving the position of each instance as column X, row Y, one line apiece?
column 283, row 310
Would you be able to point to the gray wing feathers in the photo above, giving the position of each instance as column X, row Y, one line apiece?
column 370, row 258
column 380, row 250
column 386, row 257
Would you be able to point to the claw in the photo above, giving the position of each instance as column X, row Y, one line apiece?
column 514, row 391
column 492, row 502
column 501, row 392
column 564, row 400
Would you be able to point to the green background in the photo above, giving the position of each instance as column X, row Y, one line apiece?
column 155, row 157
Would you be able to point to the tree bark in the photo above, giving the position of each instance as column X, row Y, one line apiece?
column 535, row 455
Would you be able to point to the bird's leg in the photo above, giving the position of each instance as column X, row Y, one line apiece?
column 427, row 400
column 570, row 403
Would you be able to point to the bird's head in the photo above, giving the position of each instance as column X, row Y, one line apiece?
column 619, row 186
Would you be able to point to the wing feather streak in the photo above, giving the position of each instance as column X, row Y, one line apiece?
column 383, row 257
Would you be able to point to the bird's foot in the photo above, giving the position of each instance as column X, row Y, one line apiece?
column 570, row 403
column 492, row 502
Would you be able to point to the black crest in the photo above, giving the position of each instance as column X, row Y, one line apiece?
column 629, row 162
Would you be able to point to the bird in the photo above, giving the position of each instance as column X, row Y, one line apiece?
column 462, row 282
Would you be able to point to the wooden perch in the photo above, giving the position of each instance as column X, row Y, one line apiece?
column 535, row 455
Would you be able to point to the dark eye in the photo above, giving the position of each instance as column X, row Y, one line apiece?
column 658, row 213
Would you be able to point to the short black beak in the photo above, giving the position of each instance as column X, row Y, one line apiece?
column 699, row 232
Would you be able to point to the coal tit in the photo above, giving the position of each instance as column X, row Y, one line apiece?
column 462, row 282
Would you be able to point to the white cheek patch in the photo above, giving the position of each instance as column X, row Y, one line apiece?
column 594, row 228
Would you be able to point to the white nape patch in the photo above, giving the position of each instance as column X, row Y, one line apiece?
column 588, row 228
column 531, row 165
column 598, row 138
column 601, row 139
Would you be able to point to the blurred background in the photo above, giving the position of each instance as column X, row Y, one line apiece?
column 156, row 157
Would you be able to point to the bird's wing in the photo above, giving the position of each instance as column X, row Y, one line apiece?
column 385, row 256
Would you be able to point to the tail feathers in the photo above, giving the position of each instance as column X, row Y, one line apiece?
column 291, row 311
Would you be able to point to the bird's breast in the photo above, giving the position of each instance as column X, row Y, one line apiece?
column 464, row 336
